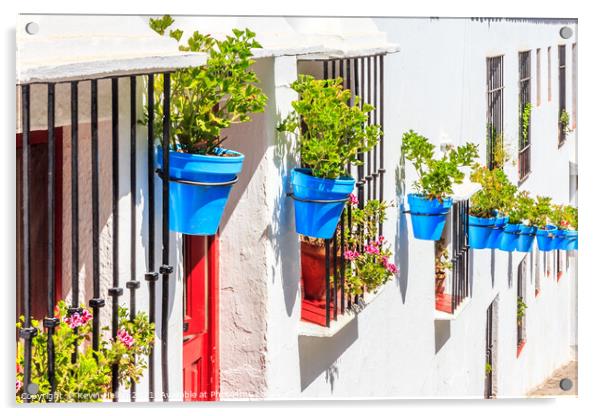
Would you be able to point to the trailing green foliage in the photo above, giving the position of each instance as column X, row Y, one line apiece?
column 205, row 100
column 331, row 133
column 565, row 121
column 521, row 309
column 496, row 193
column 526, row 118
column 88, row 379
column 565, row 217
column 436, row 176
column 367, row 253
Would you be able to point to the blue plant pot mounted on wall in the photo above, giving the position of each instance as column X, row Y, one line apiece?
column 315, row 216
column 495, row 236
column 199, row 188
column 428, row 216
column 524, row 243
column 509, row 237
column 546, row 238
column 479, row 231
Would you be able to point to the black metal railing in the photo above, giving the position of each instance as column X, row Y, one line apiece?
column 495, row 107
column 460, row 254
column 97, row 301
column 364, row 77
column 524, row 98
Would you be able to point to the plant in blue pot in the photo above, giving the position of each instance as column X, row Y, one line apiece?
column 331, row 133
column 431, row 201
column 488, row 207
column 203, row 102
column 566, row 218
column 546, row 232
column 527, row 230
column 516, row 215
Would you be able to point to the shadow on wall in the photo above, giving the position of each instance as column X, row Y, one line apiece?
column 492, row 267
column 281, row 230
column 442, row 333
column 318, row 355
column 401, row 236
column 510, row 270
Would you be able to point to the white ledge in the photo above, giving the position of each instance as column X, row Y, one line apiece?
column 464, row 190
column 357, row 52
column 308, row 329
column 444, row 316
column 107, row 66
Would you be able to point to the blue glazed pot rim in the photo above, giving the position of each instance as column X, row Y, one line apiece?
column 206, row 158
column 341, row 180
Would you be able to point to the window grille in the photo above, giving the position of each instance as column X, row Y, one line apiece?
column 97, row 302
column 364, row 77
column 524, row 98
column 561, row 92
column 495, row 107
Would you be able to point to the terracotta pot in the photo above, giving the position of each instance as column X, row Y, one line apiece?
column 313, row 264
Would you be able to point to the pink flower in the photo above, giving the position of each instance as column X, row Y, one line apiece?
column 76, row 320
column 351, row 255
column 391, row 268
column 86, row 316
column 125, row 338
column 19, row 368
column 381, row 239
column 19, row 384
column 353, row 200
column 371, row 249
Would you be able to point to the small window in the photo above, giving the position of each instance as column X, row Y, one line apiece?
column 561, row 93
column 574, row 85
column 521, row 306
column 549, row 73
column 495, row 109
column 524, row 115
column 538, row 75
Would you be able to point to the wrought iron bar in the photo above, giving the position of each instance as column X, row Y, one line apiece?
column 327, row 279
column 96, row 302
column 151, row 276
column 374, row 121
column 165, row 268
column 27, row 332
column 50, row 322
column 381, row 109
column 115, row 291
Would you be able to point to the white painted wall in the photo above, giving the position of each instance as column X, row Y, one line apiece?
column 435, row 85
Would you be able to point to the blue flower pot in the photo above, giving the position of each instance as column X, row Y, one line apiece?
column 428, row 216
column 558, row 240
column 479, row 231
column 198, row 209
column 318, row 219
column 569, row 240
column 496, row 233
column 509, row 237
column 525, row 238
column 546, row 238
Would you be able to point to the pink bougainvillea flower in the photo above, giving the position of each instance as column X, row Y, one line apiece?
column 353, row 200
column 381, row 239
column 125, row 338
column 392, row 268
column 74, row 321
column 371, row 249
column 351, row 255
column 19, row 384
column 86, row 316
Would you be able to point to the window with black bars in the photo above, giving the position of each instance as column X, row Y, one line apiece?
column 561, row 92
column 460, row 254
column 364, row 77
column 524, row 115
column 521, row 306
column 80, row 241
column 495, row 108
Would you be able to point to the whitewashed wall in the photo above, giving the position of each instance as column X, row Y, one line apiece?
column 436, row 85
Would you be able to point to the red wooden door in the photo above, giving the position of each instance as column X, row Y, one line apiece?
column 200, row 349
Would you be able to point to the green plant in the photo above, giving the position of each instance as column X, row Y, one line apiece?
column 497, row 150
column 565, row 120
column 542, row 210
column 522, row 210
column 526, row 119
column 89, row 377
column 367, row 253
column 436, row 176
column 488, row 368
column 331, row 133
column 521, row 308
column 204, row 100
column 497, row 193
column 565, row 217
column 442, row 263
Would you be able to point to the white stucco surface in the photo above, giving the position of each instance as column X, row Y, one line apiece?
column 395, row 347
